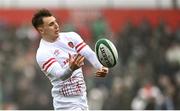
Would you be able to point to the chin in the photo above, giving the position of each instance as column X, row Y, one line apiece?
column 57, row 35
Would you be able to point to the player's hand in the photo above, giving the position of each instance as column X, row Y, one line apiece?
column 102, row 72
column 76, row 62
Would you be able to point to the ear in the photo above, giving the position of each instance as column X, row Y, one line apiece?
column 40, row 30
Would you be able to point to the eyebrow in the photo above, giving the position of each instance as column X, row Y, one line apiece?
column 52, row 22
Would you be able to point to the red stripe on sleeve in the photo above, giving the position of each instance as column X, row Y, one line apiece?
column 48, row 62
column 81, row 48
column 49, row 65
column 79, row 45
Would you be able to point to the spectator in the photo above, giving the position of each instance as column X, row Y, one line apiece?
column 149, row 97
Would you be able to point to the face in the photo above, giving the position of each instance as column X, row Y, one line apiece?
column 50, row 29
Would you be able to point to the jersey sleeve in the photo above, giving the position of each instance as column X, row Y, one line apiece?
column 78, row 41
column 90, row 55
column 84, row 49
column 50, row 66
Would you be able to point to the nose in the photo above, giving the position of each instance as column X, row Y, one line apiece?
column 56, row 25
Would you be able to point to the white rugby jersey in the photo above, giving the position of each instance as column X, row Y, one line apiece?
column 53, row 61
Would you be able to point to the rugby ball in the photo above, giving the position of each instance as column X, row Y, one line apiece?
column 106, row 53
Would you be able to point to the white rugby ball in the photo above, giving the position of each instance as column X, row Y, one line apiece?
column 106, row 53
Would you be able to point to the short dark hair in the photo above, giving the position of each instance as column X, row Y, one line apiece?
column 37, row 19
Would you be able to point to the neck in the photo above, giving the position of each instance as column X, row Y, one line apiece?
column 49, row 39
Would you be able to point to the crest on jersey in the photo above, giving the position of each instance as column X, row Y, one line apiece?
column 70, row 44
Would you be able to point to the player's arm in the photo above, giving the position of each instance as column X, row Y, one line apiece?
column 51, row 67
column 90, row 55
column 83, row 49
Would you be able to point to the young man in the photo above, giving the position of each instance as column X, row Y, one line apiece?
column 60, row 56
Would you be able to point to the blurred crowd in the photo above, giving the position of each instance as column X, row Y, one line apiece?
column 147, row 75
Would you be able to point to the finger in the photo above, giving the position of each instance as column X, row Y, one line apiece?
column 77, row 57
column 81, row 60
column 69, row 55
column 100, row 74
column 70, row 60
column 104, row 70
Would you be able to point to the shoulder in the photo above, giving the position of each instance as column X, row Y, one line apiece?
column 42, row 54
column 69, row 34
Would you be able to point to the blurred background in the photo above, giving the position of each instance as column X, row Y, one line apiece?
column 145, row 32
